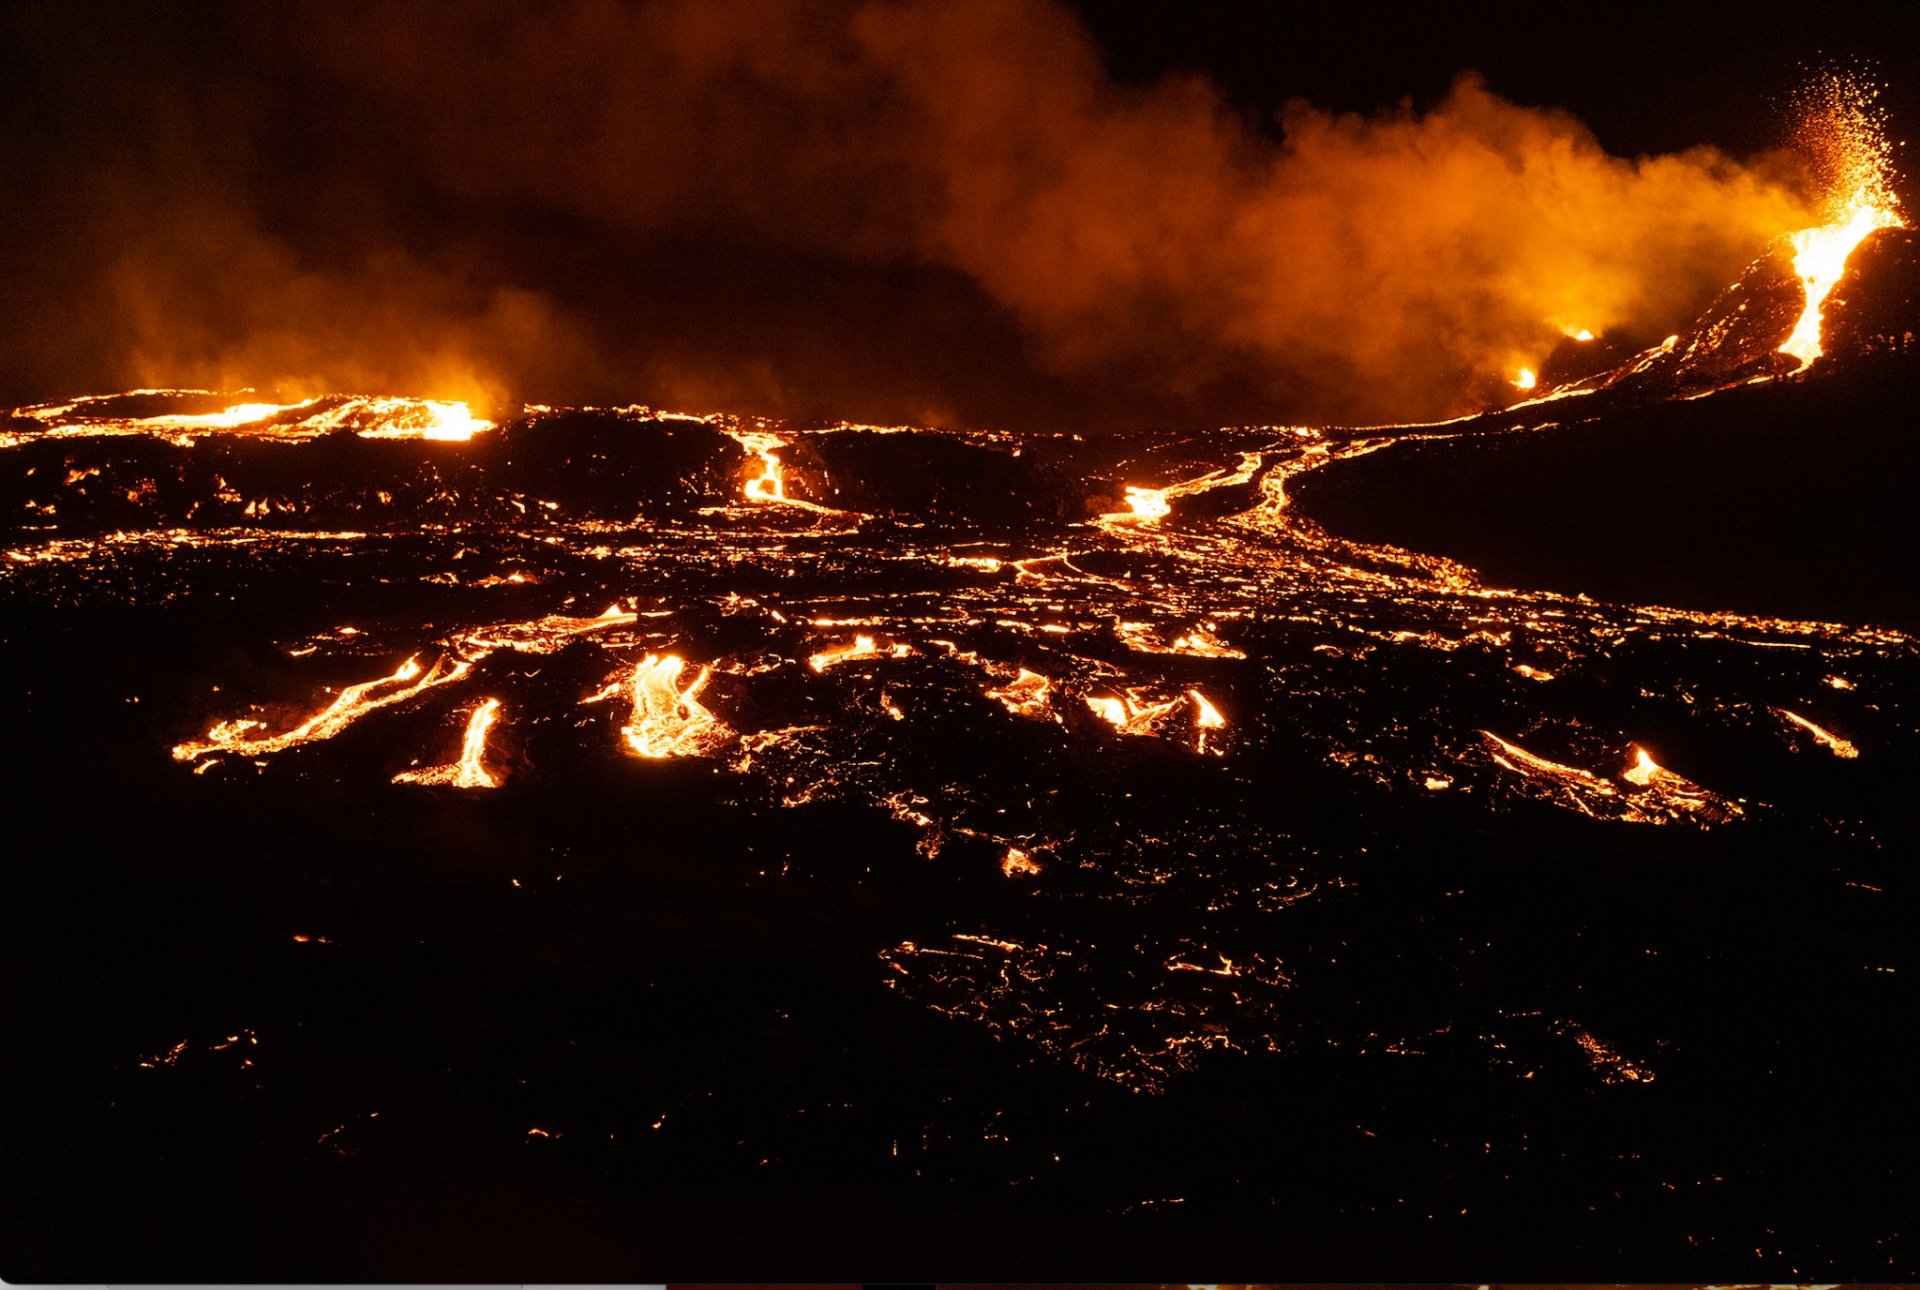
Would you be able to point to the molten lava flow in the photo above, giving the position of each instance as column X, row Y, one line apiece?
column 543, row 635
column 1144, row 506
column 1643, row 770
column 239, row 414
column 1515, row 758
column 419, row 419
column 769, row 487
column 1819, row 257
column 355, row 701
column 1846, row 134
column 1606, row 1060
column 1129, row 714
column 471, row 770
column 1206, row 720
column 1017, row 862
column 1025, row 695
column 1662, row 791
column 1655, row 795
column 859, row 648
column 668, row 719
column 1825, row 738
column 1200, row 640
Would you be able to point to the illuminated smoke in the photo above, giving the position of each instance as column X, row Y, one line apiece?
column 1149, row 238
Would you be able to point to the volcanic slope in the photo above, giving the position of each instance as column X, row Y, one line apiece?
column 467, row 850
column 1786, row 492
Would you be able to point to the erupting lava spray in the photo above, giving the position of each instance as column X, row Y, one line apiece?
column 1846, row 133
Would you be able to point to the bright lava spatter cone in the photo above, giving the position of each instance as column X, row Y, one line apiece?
column 1846, row 134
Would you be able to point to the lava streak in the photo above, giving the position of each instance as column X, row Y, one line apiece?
column 668, row 718
column 856, row 650
column 471, row 770
column 1653, row 794
column 354, row 702
column 1825, row 738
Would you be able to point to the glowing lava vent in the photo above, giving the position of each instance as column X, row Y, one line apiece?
column 1846, row 134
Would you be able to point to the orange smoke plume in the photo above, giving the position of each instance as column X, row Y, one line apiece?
column 1341, row 266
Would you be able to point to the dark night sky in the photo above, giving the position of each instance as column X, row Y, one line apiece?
column 1648, row 78
column 369, row 193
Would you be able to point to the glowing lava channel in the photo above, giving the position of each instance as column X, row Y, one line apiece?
column 471, row 770
column 769, row 487
column 355, row 701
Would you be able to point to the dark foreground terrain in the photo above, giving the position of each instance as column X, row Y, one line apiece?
column 1793, row 499
column 1056, row 884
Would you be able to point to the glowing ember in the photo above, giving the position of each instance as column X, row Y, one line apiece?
column 1846, row 134
column 668, row 719
column 1525, row 379
column 355, row 701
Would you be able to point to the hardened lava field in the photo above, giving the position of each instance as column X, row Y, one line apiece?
column 545, row 845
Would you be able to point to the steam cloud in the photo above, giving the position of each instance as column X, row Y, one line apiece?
column 891, row 209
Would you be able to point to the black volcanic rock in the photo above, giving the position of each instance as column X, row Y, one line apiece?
column 1736, row 339
column 577, row 465
column 1740, row 334
column 1575, row 360
column 938, row 478
column 1790, row 501
column 1875, row 307
column 1788, row 498
column 611, row 466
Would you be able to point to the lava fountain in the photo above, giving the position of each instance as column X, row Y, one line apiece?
column 1847, row 136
